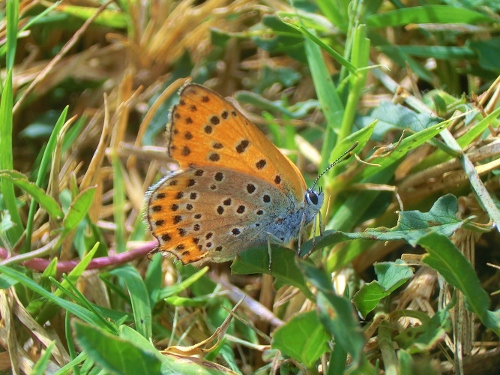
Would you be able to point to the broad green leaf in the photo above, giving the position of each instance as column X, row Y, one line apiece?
column 283, row 267
column 446, row 259
column 303, row 337
column 115, row 354
column 335, row 313
column 412, row 225
column 487, row 50
column 46, row 201
column 390, row 277
column 395, row 116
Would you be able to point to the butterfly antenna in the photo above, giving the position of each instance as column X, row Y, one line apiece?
column 346, row 155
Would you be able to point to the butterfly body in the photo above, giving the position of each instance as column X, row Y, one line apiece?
column 233, row 190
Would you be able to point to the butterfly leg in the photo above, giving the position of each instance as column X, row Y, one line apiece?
column 271, row 237
column 314, row 234
column 269, row 252
column 299, row 240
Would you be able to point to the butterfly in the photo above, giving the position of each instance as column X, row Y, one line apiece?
column 233, row 190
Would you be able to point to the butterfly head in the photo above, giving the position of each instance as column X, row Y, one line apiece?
column 314, row 198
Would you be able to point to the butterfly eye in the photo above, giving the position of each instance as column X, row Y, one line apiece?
column 312, row 197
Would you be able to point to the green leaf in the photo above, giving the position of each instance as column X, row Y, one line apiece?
column 303, row 337
column 139, row 298
column 412, row 225
column 285, row 39
column 108, row 17
column 48, row 203
column 79, row 208
column 40, row 367
column 427, row 14
column 437, row 52
column 159, row 295
column 488, row 51
column 6, row 107
column 48, row 310
column 446, row 259
column 187, row 302
column 395, row 116
column 73, row 308
column 425, row 336
column 336, row 313
column 283, row 267
column 115, row 354
column 390, row 277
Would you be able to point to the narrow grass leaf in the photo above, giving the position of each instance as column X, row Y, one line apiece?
column 359, row 56
column 331, row 105
column 43, row 362
column 109, row 18
column 73, row 308
column 48, row 310
column 437, row 52
column 12, row 18
column 139, row 298
column 445, row 258
column 6, row 159
column 42, row 171
column 428, row 14
column 406, row 145
column 119, row 205
column 177, row 288
column 325, row 47
column 78, row 209
column 48, row 203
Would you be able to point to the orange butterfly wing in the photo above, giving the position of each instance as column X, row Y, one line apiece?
column 207, row 130
column 207, row 209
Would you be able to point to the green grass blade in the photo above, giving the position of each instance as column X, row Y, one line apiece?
column 139, row 298
column 42, row 172
column 73, row 308
column 12, row 23
column 119, row 205
column 46, row 201
column 428, row 14
column 6, row 160
column 445, row 258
